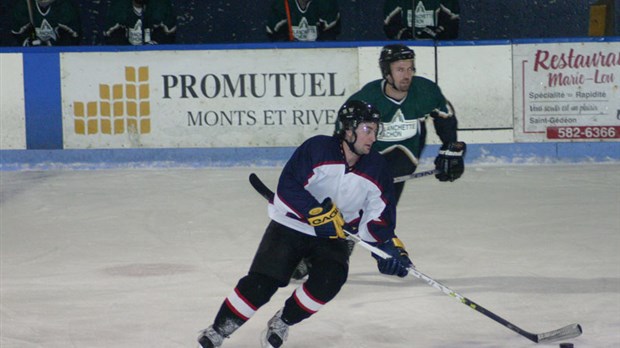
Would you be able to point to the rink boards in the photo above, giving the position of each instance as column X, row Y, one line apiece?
column 516, row 101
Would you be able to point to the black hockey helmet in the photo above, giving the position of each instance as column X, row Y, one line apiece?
column 354, row 112
column 391, row 54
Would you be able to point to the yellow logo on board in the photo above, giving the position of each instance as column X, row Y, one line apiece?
column 121, row 108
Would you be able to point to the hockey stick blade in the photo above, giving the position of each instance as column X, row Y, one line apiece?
column 566, row 332
column 260, row 187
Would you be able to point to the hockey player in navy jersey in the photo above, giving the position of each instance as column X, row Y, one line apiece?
column 405, row 101
column 329, row 184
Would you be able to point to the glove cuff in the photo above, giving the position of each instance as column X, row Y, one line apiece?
column 400, row 246
column 398, row 243
column 455, row 148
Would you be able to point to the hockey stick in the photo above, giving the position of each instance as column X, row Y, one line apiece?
column 415, row 175
column 33, row 34
column 255, row 180
column 289, row 21
column 566, row 332
column 261, row 188
column 30, row 16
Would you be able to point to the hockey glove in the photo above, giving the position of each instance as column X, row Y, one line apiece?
column 326, row 220
column 449, row 162
column 34, row 41
column 405, row 34
column 398, row 263
column 431, row 32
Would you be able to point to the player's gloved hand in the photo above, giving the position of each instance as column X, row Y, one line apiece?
column 449, row 162
column 326, row 220
column 398, row 263
column 32, row 41
column 405, row 34
column 431, row 32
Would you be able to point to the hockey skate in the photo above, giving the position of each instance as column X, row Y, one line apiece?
column 276, row 333
column 302, row 270
column 209, row 338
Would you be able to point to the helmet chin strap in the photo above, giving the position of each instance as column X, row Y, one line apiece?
column 351, row 144
column 392, row 84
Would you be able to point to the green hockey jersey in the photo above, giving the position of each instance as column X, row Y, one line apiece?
column 421, row 19
column 154, row 23
column 318, row 21
column 404, row 121
column 57, row 25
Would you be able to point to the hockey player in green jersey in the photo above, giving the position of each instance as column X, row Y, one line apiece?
column 46, row 23
column 405, row 102
column 303, row 20
column 140, row 22
column 421, row 19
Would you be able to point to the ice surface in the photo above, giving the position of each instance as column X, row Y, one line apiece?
column 144, row 258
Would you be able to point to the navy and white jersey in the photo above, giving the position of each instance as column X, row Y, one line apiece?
column 364, row 194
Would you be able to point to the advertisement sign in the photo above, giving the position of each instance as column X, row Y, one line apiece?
column 567, row 91
column 12, row 120
column 219, row 98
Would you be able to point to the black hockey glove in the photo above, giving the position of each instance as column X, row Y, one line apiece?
column 398, row 263
column 448, row 22
column 431, row 32
column 449, row 162
column 405, row 34
column 34, row 41
column 326, row 220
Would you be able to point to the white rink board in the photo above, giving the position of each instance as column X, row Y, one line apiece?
column 12, row 119
column 279, row 97
column 219, row 98
column 478, row 82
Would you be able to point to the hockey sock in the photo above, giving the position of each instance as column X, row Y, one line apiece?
column 322, row 286
column 252, row 292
